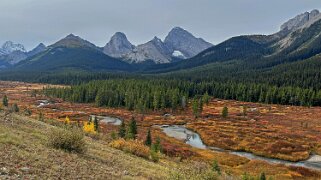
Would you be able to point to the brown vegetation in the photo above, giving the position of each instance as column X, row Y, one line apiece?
column 285, row 132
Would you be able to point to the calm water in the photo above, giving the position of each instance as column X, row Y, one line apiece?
column 193, row 139
column 109, row 120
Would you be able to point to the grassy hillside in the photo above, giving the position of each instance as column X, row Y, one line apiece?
column 26, row 155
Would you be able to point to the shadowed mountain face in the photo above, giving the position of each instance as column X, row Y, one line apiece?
column 72, row 52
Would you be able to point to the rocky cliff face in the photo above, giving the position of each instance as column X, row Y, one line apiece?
column 154, row 50
column 179, row 43
column 118, row 46
column 301, row 20
column 286, row 36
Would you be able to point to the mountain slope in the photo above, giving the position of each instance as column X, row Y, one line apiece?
column 39, row 49
column 72, row 52
column 24, row 144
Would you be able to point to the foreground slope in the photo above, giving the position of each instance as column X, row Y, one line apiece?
column 23, row 144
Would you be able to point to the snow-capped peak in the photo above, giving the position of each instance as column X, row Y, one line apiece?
column 9, row 47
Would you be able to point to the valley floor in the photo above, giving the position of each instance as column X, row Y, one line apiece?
column 268, row 130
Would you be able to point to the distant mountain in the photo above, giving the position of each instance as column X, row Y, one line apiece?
column 72, row 53
column 9, row 47
column 72, row 41
column 154, row 50
column 12, row 53
column 298, row 39
column 183, row 44
column 179, row 44
column 301, row 20
column 39, row 49
column 118, row 46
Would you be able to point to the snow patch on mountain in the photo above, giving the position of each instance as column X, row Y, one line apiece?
column 178, row 54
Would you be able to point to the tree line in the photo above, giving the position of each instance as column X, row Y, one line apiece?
column 158, row 94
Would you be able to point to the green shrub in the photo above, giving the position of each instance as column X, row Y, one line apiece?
column 216, row 168
column 27, row 112
column 67, row 139
column 155, row 156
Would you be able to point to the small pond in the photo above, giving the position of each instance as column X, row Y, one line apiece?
column 108, row 120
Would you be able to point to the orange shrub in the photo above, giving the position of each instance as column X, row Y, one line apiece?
column 131, row 146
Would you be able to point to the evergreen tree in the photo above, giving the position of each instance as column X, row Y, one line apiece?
column 157, row 146
column 122, row 130
column 156, row 101
column 132, row 129
column 225, row 112
column 148, row 141
column 5, row 100
column 206, row 98
column 15, row 108
column 200, row 106
column 183, row 102
column 96, row 123
column 195, row 107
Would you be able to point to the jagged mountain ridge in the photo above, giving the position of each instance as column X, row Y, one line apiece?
column 12, row 53
column 179, row 43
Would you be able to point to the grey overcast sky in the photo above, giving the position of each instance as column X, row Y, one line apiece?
column 33, row 21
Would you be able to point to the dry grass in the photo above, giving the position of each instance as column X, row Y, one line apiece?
column 25, row 155
column 132, row 146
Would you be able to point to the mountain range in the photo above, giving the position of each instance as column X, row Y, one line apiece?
column 179, row 44
column 298, row 39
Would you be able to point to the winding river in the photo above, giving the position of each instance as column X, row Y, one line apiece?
column 193, row 139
